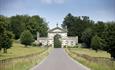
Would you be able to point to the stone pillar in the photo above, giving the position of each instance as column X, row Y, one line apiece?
column 38, row 36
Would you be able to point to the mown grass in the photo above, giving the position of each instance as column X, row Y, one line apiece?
column 91, row 52
column 103, row 63
column 20, row 57
column 20, row 50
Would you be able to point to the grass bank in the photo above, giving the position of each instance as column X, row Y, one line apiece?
column 94, row 60
column 21, row 58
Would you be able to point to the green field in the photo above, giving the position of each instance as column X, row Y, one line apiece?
column 20, row 57
column 91, row 52
column 20, row 50
column 100, row 60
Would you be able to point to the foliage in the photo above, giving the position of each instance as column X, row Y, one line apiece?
column 57, row 41
column 37, row 24
column 96, row 43
column 99, row 28
column 7, row 41
column 19, row 23
column 16, row 25
column 86, row 37
column 76, row 25
column 40, row 44
column 5, row 35
column 109, row 36
column 26, row 38
column 86, row 29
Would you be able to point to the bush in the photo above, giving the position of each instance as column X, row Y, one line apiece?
column 34, row 44
column 76, row 46
column 40, row 44
column 64, row 46
column 96, row 43
column 26, row 38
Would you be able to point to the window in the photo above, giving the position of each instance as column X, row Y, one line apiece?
column 71, row 42
column 66, row 42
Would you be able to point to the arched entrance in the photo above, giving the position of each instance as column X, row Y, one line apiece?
column 57, row 41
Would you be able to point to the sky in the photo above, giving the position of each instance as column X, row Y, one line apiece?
column 54, row 11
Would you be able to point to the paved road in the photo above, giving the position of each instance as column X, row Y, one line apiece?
column 59, row 60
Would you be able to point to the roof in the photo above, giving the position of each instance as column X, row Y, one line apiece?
column 57, row 28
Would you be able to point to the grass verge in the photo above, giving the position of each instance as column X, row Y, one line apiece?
column 21, row 58
column 91, row 59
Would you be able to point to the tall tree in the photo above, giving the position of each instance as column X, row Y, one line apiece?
column 7, row 40
column 99, row 28
column 86, row 37
column 37, row 24
column 76, row 25
column 17, row 25
column 96, row 43
column 34, row 24
column 5, row 35
column 109, row 36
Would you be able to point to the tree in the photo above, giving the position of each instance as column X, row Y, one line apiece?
column 5, row 35
column 16, row 25
column 37, row 24
column 86, row 37
column 57, row 42
column 2, row 29
column 109, row 36
column 26, row 38
column 76, row 25
column 34, row 24
column 99, row 28
column 96, row 43
column 7, row 41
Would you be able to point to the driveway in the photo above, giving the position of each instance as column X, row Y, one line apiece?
column 59, row 60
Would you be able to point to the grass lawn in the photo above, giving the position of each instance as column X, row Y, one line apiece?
column 34, row 56
column 91, row 52
column 20, row 50
column 95, row 61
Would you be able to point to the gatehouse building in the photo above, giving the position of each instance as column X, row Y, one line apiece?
column 64, row 39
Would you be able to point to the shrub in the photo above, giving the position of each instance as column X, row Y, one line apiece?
column 34, row 44
column 96, row 43
column 76, row 46
column 40, row 44
column 26, row 38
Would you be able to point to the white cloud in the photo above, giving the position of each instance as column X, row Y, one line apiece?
column 46, row 1
column 53, row 1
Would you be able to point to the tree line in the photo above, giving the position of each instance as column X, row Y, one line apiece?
column 21, row 27
column 96, row 35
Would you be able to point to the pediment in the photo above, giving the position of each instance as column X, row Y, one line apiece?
column 57, row 29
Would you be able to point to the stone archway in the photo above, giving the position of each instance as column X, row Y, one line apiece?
column 57, row 41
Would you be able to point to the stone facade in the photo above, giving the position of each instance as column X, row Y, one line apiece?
column 66, row 41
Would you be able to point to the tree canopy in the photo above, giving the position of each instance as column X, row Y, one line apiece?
column 5, row 35
column 19, row 23
column 76, row 24
column 96, row 35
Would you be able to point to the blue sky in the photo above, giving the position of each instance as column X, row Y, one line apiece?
column 54, row 11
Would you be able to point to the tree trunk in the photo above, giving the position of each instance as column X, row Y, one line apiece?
column 5, row 50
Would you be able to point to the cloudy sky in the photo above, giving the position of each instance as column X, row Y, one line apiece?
column 53, row 11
